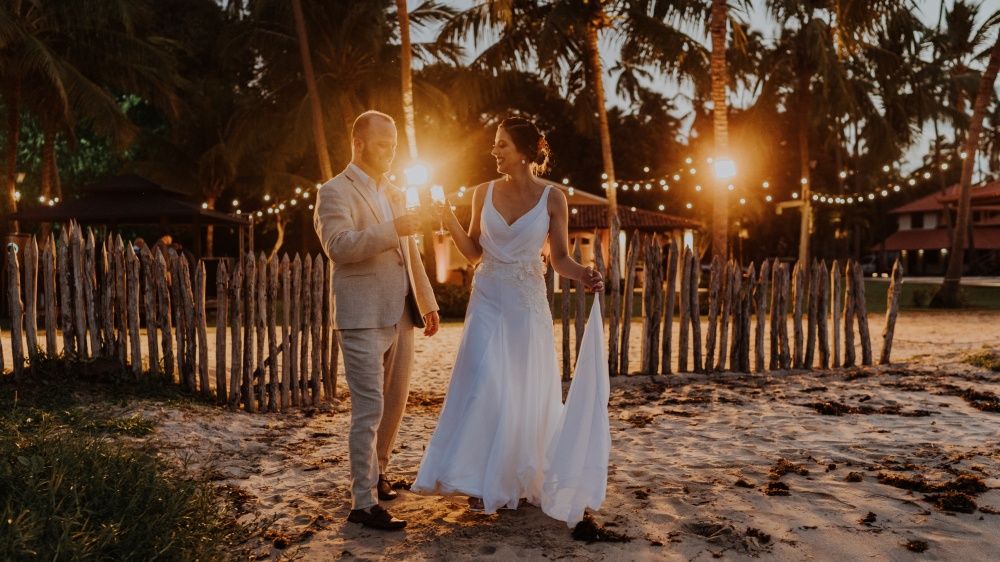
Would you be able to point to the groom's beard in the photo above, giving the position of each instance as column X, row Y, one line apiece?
column 376, row 161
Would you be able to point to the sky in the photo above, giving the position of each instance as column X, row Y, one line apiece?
column 927, row 10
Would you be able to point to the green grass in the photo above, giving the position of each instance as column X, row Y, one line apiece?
column 74, row 485
column 916, row 296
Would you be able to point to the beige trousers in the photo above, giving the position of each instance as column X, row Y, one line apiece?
column 377, row 363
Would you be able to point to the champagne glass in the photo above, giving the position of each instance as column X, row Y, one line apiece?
column 437, row 196
column 412, row 199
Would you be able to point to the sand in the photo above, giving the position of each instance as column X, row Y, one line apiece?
column 693, row 459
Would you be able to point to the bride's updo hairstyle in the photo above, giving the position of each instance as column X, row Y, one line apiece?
column 529, row 141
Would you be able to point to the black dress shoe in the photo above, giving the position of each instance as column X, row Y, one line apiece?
column 376, row 518
column 385, row 491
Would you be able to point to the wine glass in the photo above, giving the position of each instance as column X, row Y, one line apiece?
column 437, row 196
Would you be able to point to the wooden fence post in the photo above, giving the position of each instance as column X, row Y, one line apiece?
column 249, row 331
column 634, row 248
column 862, row 314
column 823, row 280
column 811, row 326
column 714, row 285
column 201, row 322
column 564, row 302
column 49, row 287
column 784, row 357
column 761, row 299
column 668, row 312
column 695, row 315
column 580, row 298
column 236, row 330
column 221, row 325
column 274, row 394
column 65, row 298
column 849, row 309
column 79, row 313
column 16, row 312
column 682, row 345
column 891, row 310
column 298, row 396
column 317, row 320
column 132, row 281
column 726, row 296
column 837, row 307
column 163, row 303
column 289, row 396
column 614, row 284
column 259, row 366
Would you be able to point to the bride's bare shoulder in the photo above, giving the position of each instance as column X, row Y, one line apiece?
column 557, row 195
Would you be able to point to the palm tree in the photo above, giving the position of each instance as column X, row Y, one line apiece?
column 720, row 75
column 948, row 294
column 319, row 133
column 406, row 77
column 68, row 63
column 561, row 37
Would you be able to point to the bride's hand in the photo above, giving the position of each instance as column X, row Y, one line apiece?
column 593, row 280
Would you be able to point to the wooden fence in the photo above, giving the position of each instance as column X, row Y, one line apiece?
column 274, row 346
column 745, row 308
column 147, row 311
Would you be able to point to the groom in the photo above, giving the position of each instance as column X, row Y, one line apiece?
column 380, row 292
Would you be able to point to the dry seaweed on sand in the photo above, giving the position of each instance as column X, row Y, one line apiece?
column 590, row 531
column 784, row 466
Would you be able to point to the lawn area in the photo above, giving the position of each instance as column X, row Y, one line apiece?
column 78, row 482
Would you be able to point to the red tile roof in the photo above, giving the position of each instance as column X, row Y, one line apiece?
column 985, row 238
column 935, row 201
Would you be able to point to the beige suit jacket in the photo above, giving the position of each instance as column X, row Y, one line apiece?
column 369, row 259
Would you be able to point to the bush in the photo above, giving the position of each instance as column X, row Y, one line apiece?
column 452, row 300
column 922, row 297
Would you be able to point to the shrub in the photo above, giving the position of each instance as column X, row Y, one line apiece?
column 452, row 300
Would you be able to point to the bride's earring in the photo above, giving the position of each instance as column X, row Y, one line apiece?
column 523, row 161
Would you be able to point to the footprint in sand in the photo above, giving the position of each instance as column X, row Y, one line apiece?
column 487, row 549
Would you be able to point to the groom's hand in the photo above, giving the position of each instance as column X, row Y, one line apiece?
column 431, row 323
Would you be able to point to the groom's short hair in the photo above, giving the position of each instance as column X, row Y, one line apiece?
column 362, row 122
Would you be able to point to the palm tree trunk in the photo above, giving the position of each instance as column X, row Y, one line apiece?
column 319, row 134
column 804, row 114
column 279, row 223
column 13, row 136
column 596, row 71
column 947, row 295
column 406, row 74
column 720, row 76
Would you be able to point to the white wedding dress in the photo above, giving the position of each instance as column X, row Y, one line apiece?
column 504, row 433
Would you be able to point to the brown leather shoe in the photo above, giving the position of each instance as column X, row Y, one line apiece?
column 376, row 518
column 385, row 491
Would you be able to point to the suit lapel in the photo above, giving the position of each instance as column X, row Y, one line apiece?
column 365, row 194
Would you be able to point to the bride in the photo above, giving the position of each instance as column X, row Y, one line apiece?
column 499, row 439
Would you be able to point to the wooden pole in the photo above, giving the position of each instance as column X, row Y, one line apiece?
column 163, row 302
column 811, row 326
column 79, row 314
column 303, row 329
column 727, row 271
column 798, row 295
column 632, row 256
column 862, row 314
column 735, row 292
column 16, row 312
column 823, row 280
column 31, row 297
column 654, row 279
column 187, row 296
column 49, row 287
column 695, row 315
column 328, row 325
column 760, row 297
column 298, row 398
column 784, row 357
column 177, row 299
column 259, row 367
column 714, row 285
column 775, row 311
column 65, row 299
column 668, row 312
column 749, row 289
column 275, row 396
column 682, row 345
column 599, row 265
column 249, row 321
column 849, row 308
column 317, row 320
column 121, row 301
column 149, row 303
column 221, row 325
column 891, row 310
column 201, row 322
column 90, row 290
column 236, row 330
column 288, row 394
column 837, row 306
column 614, row 285
column 132, row 281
